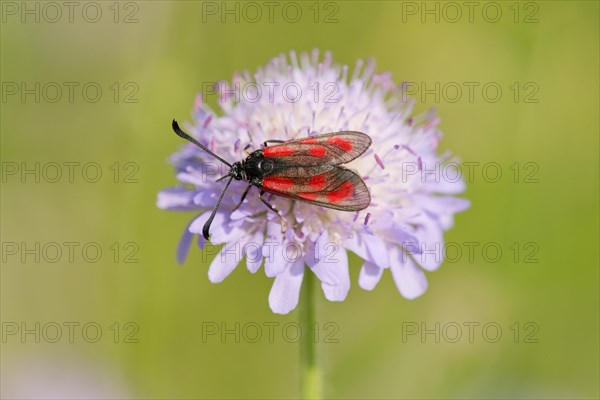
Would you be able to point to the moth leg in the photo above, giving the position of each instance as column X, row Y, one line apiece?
column 266, row 142
column 246, row 148
column 283, row 224
column 243, row 198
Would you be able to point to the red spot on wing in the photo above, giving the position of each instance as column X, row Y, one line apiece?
column 277, row 184
column 309, row 141
column 317, row 151
column 278, row 151
column 344, row 144
column 317, row 182
column 308, row 196
column 345, row 192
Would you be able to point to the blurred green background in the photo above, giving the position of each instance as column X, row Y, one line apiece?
column 549, row 49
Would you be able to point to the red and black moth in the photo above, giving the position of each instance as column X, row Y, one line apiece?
column 306, row 169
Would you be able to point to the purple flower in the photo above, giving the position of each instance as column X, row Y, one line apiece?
column 412, row 187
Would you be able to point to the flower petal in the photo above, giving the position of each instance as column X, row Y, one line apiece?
column 442, row 207
column 335, row 292
column 253, row 252
column 275, row 258
column 391, row 226
column 285, row 291
column 431, row 243
column 225, row 262
column 240, row 214
column 323, row 256
column 340, row 291
column 220, row 230
column 446, row 180
column 176, row 198
column 369, row 276
column 183, row 247
column 355, row 244
column 368, row 247
column 377, row 250
column 410, row 279
column 274, row 250
column 201, row 242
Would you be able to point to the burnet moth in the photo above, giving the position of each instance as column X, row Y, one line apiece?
column 305, row 169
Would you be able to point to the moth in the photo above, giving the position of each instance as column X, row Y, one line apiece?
column 306, row 169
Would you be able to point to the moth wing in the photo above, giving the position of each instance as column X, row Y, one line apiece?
column 330, row 148
column 338, row 188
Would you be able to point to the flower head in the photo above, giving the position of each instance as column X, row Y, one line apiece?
column 292, row 97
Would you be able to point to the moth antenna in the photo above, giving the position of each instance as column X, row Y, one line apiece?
column 206, row 227
column 187, row 137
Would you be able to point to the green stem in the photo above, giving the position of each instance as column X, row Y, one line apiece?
column 310, row 377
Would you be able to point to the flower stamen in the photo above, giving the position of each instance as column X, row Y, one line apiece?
column 378, row 160
column 207, row 122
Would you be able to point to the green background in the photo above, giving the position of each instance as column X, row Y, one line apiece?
column 168, row 54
